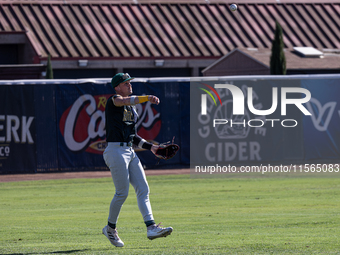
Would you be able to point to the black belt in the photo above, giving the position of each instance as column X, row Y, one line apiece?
column 127, row 144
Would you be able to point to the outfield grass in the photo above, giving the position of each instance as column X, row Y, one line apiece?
column 280, row 215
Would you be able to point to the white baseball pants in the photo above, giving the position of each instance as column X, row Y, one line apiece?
column 126, row 168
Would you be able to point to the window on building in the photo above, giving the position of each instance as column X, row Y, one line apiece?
column 9, row 54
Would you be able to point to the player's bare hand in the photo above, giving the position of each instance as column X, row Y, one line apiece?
column 154, row 100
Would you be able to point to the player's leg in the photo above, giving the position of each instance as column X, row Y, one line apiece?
column 140, row 184
column 117, row 159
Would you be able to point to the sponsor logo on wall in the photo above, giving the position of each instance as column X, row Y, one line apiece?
column 82, row 124
column 321, row 114
column 14, row 130
column 244, row 122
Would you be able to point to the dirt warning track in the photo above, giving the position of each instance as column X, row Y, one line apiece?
column 75, row 175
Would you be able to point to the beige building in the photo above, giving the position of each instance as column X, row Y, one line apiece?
column 253, row 61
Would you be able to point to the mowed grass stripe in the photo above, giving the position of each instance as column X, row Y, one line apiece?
column 280, row 215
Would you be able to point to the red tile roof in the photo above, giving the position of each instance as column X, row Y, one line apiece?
column 121, row 29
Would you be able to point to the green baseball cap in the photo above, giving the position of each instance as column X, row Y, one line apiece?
column 119, row 78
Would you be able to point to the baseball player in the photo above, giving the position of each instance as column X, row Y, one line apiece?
column 124, row 164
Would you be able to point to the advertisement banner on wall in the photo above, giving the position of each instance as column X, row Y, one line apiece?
column 17, row 129
column 246, row 121
column 81, row 123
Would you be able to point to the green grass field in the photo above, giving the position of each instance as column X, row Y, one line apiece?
column 280, row 215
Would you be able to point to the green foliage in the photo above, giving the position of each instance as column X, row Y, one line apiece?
column 280, row 215
column 277, row 58
column 49, row 70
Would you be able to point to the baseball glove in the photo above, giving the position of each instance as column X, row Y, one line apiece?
column 167, row 151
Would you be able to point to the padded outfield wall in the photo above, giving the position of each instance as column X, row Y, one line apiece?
column 58, row 125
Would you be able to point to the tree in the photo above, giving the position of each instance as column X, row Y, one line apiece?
column 49, row 70
column 277, row 58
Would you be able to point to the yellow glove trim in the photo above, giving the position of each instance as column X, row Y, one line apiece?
column 142, row 99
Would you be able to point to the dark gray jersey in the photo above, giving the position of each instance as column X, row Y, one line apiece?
column 120, row 126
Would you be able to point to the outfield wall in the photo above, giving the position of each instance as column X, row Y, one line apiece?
column 58, row 125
